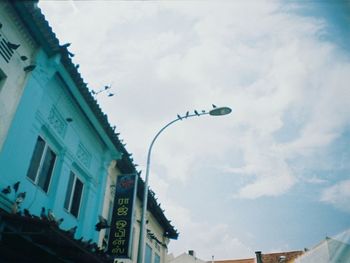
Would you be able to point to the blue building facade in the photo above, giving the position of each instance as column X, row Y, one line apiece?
column 55, row 151
column 59, row 146
column 59, row 153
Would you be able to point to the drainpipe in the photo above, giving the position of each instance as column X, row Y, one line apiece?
column 258, row 257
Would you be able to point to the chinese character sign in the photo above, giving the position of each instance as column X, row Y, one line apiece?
column 119, row 244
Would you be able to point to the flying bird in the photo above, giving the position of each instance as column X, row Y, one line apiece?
column 24, row 58
column 16, row 186
column 179, row 117
column 102, row 223
column 65, row 45
column 29, row 68
column 196, row 112
column 187, row 114
column 110, row 94
column 70, row 54
column 12, row 46
column 6, row 190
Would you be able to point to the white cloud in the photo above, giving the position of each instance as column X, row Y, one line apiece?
column 269, row 186
column 306, row 77
column 206, row 239
column 168, row 57
column 338, row 195
column 261, row 62
column 315, row 180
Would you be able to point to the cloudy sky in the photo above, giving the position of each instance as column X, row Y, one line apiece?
column 272, row 176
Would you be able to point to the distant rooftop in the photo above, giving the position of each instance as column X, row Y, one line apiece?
column 266, row 258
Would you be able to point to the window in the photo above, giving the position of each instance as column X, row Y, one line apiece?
column 42, row 164
column 156, row 258
column 6, row 51
column 148, row 254
column 73, row 194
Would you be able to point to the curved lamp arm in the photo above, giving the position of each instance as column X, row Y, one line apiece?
column 214, row 112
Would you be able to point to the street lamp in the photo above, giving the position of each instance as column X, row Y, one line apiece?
column 216, row 111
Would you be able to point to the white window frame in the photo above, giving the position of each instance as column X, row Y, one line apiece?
column 68, row 207
column 38, row 171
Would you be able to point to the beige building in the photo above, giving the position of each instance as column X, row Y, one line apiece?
column 159, row 229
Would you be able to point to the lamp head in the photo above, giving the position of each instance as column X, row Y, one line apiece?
column 220, row 111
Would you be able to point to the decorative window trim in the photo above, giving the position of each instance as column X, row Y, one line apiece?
column 57, row 122
column 83, row 155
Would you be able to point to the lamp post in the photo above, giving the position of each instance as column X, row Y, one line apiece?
column 216, row 111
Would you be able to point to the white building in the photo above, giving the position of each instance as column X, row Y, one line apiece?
column 17, row 51
column 330, row 250
column 189, row 257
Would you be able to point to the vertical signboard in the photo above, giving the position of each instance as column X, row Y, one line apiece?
column 120, row 242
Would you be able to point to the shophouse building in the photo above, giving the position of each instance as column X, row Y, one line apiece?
column 60, row 159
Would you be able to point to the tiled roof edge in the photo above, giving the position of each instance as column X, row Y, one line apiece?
column 43, row 34
column 157, row 211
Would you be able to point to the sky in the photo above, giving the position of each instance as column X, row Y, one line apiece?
column 272, row 176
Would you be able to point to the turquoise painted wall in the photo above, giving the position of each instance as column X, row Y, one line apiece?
column 43, row 109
